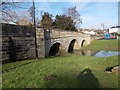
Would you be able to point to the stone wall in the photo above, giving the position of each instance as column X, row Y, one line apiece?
column 18, row 43
column 94, row 37
column 40, row 42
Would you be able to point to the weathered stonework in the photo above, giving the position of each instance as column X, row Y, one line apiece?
column 18, row 43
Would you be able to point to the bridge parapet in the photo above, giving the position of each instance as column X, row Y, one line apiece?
column 54, row 33
column 60, row 33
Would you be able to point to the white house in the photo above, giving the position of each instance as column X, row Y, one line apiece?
column 92, row 33
column 86, row 32
column 115, row 29
column 89, row 32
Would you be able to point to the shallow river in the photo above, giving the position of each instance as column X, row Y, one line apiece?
column 97, row 53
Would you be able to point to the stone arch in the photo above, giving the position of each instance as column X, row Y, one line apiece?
column 83, row 43
column 73, row 46
column 54, row 49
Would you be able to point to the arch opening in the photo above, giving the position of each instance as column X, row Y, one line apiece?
column 71, row 46
column 83, row 43
column 55, row 49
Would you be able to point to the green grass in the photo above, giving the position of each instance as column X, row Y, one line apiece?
column 105, row 45
column 69, row 70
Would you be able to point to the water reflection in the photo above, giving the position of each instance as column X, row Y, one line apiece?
column 106, row 53
column 86, row 52
column 96, row 53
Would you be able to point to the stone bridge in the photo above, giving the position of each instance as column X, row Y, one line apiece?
column 18, row 42
column 58, row 41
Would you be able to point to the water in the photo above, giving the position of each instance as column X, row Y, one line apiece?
column 106, row 53
column 96, row 53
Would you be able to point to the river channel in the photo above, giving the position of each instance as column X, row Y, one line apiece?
column 96, row 53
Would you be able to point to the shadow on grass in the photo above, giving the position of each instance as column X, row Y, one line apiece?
column 7, row 70
column 84, row 79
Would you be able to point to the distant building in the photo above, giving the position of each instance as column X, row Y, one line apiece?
column 114, row 29
column 91, row 31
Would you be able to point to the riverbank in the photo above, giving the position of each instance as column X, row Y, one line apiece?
column 103, row 45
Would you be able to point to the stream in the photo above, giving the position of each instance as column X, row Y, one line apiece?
column 96, row 53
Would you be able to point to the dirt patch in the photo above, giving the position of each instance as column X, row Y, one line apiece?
column 50, row 77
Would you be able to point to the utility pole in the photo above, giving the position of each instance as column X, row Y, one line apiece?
column 35, row 29
column 103, row 26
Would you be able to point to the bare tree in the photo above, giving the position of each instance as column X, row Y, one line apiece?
column 24, row 19
column 74, row 14
column 9, row 17
column 8, row 8
column 8, row 14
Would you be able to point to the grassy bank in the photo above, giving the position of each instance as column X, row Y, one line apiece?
column 103, row 45
column 72, row 71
